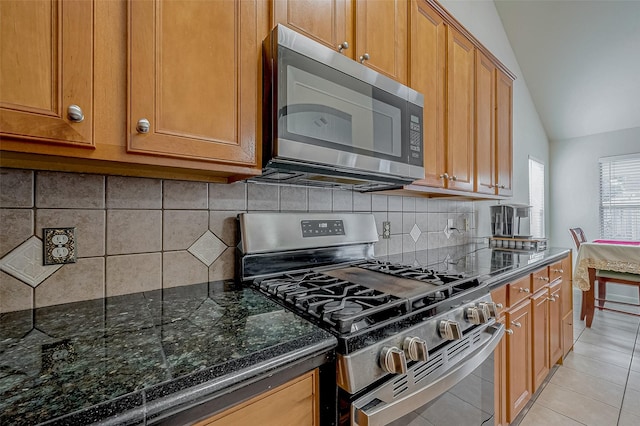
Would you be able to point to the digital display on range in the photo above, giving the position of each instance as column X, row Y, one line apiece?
column 321, row 228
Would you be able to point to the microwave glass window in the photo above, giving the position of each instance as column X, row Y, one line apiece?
column 319, row 105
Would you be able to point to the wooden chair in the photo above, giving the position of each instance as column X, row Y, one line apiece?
column 604, row 277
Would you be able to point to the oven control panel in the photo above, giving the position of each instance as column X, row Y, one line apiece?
column 320, row 228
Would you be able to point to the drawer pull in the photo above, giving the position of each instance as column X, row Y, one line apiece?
column 543, row 278
column 551, row 299
column 516, row 324
column 509, row 331
column 499, row 305
column 524, row 290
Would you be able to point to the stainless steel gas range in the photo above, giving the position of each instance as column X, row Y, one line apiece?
column 407, row 335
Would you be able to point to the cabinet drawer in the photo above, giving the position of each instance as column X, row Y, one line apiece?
column 555, row 271
column 499, row 296
column 539, row 279
column 519, row 290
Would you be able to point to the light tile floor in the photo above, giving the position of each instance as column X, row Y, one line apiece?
column 599, row 381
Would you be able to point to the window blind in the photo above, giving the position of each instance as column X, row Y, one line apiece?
column 536, row 197
column 620, row 197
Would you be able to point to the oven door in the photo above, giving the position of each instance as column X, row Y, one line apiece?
column 440, row 392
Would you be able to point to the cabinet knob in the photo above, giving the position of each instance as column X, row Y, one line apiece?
column 453, row 178
column 551, row 299
column 516, row 324
column 502, row 187
column 75, row 114
column 444, row 176
column 543, row 278
column 343, row 46
column 509, row 331
column 524, row 290
column 364, row 57
column 143, row 125
column 499, row 305
column 559, row 271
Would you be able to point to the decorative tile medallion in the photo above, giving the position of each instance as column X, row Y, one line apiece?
column 25, row 263
column 207, row 248
column 415, row 233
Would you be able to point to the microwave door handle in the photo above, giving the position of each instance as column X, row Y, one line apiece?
column 384, row 413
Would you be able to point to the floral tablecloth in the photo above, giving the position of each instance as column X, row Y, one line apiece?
column 618, row 257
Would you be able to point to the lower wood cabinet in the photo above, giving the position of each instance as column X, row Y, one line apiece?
column 293, row 403
column 540, row 335
column 519, row 387
column 555, row 322
column 538, row 317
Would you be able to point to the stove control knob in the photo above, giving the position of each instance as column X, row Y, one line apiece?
column 492, row 308
column 392, row 360
column 450, row 330
column 486, row 310
column 475, row 315
column 416, row 349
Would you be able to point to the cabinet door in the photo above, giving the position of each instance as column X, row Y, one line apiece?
column 427, row 76
column 309, row 17
column 567, row 333
column 540, row 335
column 504, row 134
column 46, row 51
column 484, row 121
column 293, row 403
column 519, row 388
column 381, row 33
column 555, row 323
column 500, row 380
column 460, row 107
column 566, row 296
column 194, row 74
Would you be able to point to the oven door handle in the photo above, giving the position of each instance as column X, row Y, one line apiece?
column 384, row 413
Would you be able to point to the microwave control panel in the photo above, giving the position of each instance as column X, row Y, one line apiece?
column 415, row 140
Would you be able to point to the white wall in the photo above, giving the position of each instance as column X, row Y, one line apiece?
column 575, row 180
column 481, row 18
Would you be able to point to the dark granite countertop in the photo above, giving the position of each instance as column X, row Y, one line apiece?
column 493, row 266
column 127, row 359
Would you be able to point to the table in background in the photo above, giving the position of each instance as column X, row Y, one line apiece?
column 604, row 255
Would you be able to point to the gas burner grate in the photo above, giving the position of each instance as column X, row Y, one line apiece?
column 415, row 273
column 345, row 306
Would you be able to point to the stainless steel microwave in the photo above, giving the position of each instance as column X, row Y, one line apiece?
column 331, row 121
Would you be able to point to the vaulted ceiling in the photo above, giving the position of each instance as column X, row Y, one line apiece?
column 580, row 60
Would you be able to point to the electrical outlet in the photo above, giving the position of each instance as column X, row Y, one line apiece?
column 59, row 245
column 386, row 230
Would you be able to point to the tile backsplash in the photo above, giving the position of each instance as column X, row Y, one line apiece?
column 138, row 234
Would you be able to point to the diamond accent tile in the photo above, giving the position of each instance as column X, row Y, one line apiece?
column 25, row 263
column 415, row 233
column 207, row 248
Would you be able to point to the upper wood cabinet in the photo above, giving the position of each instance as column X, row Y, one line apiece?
column 442, row 69
column 504, row 134
column 326, row 21
column 46, row 71
column 460, row 111
column 485, row 125
column 493, row 125
column 427, row 66
column 381, row 36
column 371, row 32
column 194, row 80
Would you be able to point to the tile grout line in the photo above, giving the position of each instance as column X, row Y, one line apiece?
column 626, row 385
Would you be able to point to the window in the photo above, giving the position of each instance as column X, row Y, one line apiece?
column 620, row 197
column 536, row 197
